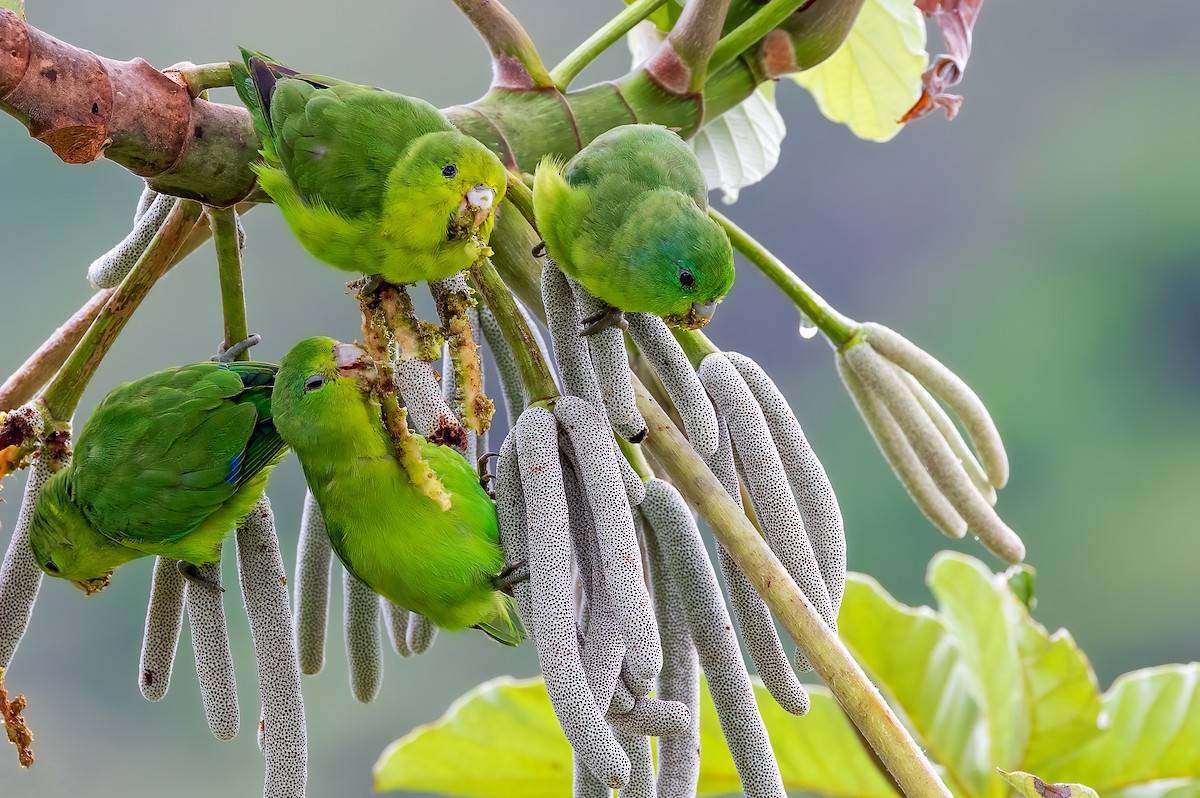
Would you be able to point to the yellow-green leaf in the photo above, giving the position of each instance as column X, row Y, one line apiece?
column 875, row 76
column 1031, row 786
column 17, row 6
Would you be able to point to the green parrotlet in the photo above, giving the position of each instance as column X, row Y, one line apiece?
column 628, row 218
column 444, row 564
column 369, row 180
column 166, row 465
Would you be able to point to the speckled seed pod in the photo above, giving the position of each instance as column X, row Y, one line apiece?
column 678, row 538
column 622, row 567
column 20, row 576
column 901, row 456
column 421, row 633
column 653, row 717
column 164, row 619
column 753, row 617
column 214, row 661
column 641, row 773
column 509, row 372
column 428, row 410
column 607, row 348
column 550, row 595
column 671, row 365
column 395, row 618
column 585, row 784
column 678, row 755
column 953, row 437
column 314, row 560
column 264, row 591
column 147, row 196
column 946, row 385
column 108, row 270
column 881, row 378
column 775, row 506
column 571, row 353
column 814, row 494
column 364, row 649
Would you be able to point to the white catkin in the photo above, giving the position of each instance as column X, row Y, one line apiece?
column 814, row 494
column 611, row 363
column 635, row 489
column 421, row 633
column 20, row 576
column 619, row 553
column 770, row 493
column 511, row 384
column 953, row 437
column 666, row 357
column 879, row 377
column 622, row 698
column 585, row 784
column 678, row 755
column 653, row 717
column 901, row 456
column 549, row 594
column 364, row 649
column 314, row 560
column 395, row 618
column 108, row 270
column 729, row 685
column 945, row 384
column 570, row 348
column 147, row 197
column 164, row 619
column 427, row 407
column 214, row 661
column 753, row 616
column 641, row 774
column 264, row 591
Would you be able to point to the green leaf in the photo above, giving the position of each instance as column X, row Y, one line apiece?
column 875, row 76
column 741, row 146
column 16, row 6
column 499, row 740
column 818, row 753
column 1031, row 786
column 1151, row 745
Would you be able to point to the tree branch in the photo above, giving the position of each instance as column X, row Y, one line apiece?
column 515, row 61
column 229, row 270
column 601, row 40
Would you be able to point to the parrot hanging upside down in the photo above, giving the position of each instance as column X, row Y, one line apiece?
column 444, row 564
column 166, row 465
column 369, row 180
column 628, row 218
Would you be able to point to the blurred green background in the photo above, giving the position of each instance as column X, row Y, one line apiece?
column 1044, row 244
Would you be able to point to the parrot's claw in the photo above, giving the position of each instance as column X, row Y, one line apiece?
column 192, row 574
column 598, row 322
column 539, row 250
column 370, row 284
column 513, row 575
column 486, row 476
column 234, row 352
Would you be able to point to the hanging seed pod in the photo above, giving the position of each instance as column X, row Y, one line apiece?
column 164, row 619
column 20, row 576
column 108, row 270
column 421, row 633
column 364, row 649
column 314, row 561
column 214, row 660
column 396, row 618
column 607, row 350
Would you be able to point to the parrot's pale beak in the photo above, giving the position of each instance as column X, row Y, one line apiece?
column 90, row 586
column 701, row 314
column 353, row 361
column 477, row 204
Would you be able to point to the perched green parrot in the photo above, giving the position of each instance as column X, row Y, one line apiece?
column 444, row 564
column 370, row 181
column 166, row 465
column 628, row 218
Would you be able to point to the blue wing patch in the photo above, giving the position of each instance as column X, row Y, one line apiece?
column 235, row 468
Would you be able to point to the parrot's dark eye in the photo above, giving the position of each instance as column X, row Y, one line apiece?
column 51, row 567
column 314, row 382
column 686, row 279
column 449, row 170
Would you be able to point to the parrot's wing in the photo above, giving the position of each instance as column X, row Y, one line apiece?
column 637, row 157
column 162, row 454
column 506, row 627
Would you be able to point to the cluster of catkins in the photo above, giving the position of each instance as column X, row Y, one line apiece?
column 622, row 599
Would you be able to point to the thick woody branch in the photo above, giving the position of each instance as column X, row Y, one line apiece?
column 515, row 61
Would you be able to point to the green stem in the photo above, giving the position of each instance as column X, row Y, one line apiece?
column 200, row 78
column 838, row 328
column 515, row 61
column 744, row 36
column 636, row 458
column 601, row 40
column 859, row 699
column 535, row 372
column 696, row 345
column 692, row 39
column 521, row 196
column 63, row 394
column 229, row 269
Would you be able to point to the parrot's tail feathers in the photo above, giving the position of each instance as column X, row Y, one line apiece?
column 549, row 186
column 506, row 626
column 264, row 78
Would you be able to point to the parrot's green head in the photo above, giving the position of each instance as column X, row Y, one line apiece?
column 452, row 177
column 320, row 390
column 64, row 542
column 684, row 256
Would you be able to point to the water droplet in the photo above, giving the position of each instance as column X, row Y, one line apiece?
column 808, row 328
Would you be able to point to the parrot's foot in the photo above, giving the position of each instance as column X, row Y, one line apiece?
column 234, row 352
column 192, row 574
column 539, row 250
column 370, row 284
column 598, row 322
column 513, row 575
column 485, row 476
